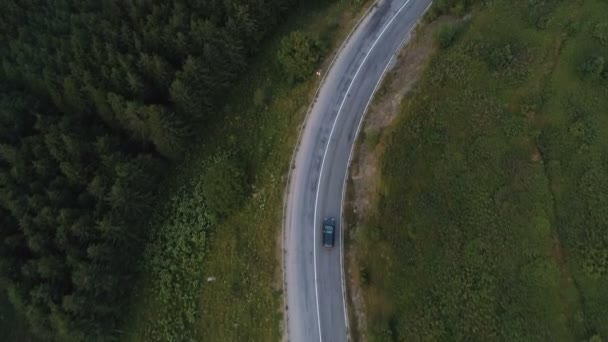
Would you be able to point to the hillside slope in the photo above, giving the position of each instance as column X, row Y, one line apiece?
column 491, row 222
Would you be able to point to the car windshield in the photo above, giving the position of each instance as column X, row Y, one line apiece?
column 328, row 229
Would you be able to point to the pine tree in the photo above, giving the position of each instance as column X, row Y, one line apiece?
column 96, row 98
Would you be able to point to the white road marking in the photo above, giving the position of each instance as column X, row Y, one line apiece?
column 344, row 188
column 295, row 151
column 350, row 156
column 323, row 162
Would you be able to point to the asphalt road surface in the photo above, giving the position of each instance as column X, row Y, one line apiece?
column 314, row 279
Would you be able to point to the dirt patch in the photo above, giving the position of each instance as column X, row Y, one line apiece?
column 362, row 184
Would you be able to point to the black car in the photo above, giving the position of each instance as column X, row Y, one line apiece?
column 329, row 232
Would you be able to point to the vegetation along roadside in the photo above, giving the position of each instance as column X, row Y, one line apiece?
column 488, row 220
column 363, row 179
column 233, row 290
column 127, row 129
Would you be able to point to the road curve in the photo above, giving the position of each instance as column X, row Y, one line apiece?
column 315, row 305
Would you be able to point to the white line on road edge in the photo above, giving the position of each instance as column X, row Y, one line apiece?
column 350, row 156
column 295, row 150
column 344, row 186
column 333, row 127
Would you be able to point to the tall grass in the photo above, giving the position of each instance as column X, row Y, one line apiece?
column 491, row 220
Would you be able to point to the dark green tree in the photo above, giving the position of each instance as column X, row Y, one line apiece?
column 299, row 54
column 96, row 98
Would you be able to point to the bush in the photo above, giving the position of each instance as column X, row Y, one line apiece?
column 600, row 32
column 539, row 12
column 364, row 276
column 573, row 27
column 224, row 187
column 595, row 338
column 446, row 35
column 299, row 54
column 441, row 7
column 593, row 67
column 501, row 57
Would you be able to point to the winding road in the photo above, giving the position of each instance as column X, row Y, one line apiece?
column 315, row 305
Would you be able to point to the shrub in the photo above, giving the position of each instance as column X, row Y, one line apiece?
column 513, row 125
column 593, row 67
column 573, row 27
column 364, row 276
column 446, row 35
column 298, row 55
column 595, row 338
column 539, row 12
column 381, row 331
column 441, row 7
column 501, row 57
column 600, row 32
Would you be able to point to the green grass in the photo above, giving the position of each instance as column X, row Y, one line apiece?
column 240, row 252
column 371, row 139
column 245, row 303
column 491, row 221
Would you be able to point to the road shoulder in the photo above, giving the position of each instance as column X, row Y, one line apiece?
column 348, row 25
column 363, row 174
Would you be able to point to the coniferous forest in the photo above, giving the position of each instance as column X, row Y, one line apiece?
column 97, row 100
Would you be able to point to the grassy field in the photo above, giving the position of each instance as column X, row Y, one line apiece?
column 491, row 221
column 219, row 280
